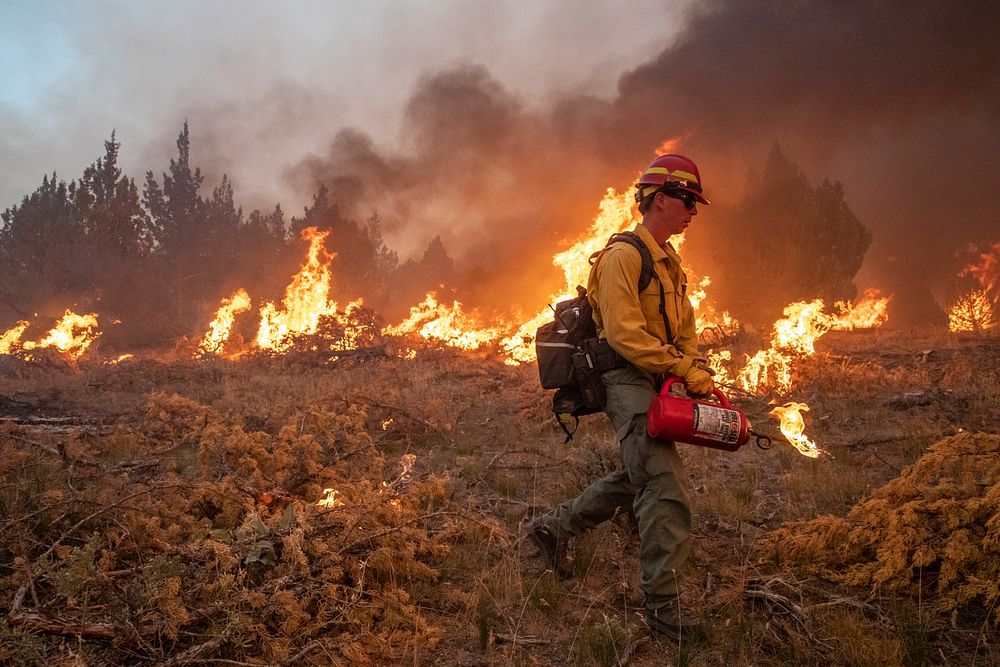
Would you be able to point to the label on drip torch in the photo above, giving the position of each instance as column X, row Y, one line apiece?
column 717, row 424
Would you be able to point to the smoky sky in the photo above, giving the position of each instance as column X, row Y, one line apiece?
column 898, row 101
column 499, row 130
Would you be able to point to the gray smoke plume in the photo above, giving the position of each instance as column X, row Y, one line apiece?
column 900, row 102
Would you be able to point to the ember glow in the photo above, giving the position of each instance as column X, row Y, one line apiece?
column 793, row 427
column 218, row 333
column 445, row 323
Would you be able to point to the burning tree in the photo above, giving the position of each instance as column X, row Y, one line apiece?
column 972, row 312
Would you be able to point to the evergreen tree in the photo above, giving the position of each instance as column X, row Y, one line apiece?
column 433, row 272
column 177, row 220
column 118, row 241
column 41, row 265
column 264, row 262
column 786, row 241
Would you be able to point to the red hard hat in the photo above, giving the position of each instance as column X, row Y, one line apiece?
column 670, row 171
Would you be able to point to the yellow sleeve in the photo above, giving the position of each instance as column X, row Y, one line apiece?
column 615, row 280
column 687, row 337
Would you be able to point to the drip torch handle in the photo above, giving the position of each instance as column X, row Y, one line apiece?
column 672, row 380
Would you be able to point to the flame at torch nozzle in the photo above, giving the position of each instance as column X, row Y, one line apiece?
column 793, row 427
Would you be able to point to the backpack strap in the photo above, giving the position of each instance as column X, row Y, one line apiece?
column 647, row 273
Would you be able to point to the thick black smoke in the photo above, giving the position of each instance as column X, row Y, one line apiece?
column 899, row 101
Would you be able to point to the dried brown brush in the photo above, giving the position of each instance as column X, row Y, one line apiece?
column 934, row 529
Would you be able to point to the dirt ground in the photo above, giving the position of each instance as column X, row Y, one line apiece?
column 159, row 512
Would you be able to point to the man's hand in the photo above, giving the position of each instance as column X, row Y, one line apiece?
column 699, row 382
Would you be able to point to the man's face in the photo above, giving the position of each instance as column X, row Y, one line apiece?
column 675, row 214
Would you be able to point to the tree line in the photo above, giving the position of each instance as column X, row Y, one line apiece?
column 154, row 261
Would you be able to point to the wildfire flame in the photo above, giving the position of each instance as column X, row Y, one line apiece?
column 615, row 215
column 987, row 271
column 330, row 499
column 10, row 338
column 306, row 298
column 306, row 302
column 795, row 335
column 218, row 333
column 448, row 324
column 870, row 312
column 793, row 427
column 71, row 335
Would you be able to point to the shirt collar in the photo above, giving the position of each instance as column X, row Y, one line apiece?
column 655, row 249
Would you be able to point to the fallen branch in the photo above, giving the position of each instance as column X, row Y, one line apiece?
column 519, row 639
column 65, row 628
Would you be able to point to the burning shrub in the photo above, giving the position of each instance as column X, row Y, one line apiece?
column 937, row 524
column 972, row 312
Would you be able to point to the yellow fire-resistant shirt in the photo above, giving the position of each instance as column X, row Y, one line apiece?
column 630, row 321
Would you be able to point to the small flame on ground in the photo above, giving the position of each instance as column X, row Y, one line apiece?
column 71, row 335
column 218, row 332
column 793, row 427
column 433, row 320
column 871, row 311
column 330, row 500
column 795, row 335
column 120, row 358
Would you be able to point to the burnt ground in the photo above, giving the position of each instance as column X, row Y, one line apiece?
column 449, row 579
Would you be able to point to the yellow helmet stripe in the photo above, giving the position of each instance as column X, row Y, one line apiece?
column 680, row 173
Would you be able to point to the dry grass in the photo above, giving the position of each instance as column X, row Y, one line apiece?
column 173, row 509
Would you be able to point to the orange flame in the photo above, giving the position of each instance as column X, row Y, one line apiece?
column 668, row 146
column 71, row 335
column 330, row 500
column 448, row 324
column 218, row 333
column 795, row 336
column 306, row 299
column 11, row 338
column 987, row 271
column 793, row 427
column 615, row 215
column 870, row 312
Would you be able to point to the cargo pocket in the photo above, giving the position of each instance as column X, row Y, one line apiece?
column 630, row 391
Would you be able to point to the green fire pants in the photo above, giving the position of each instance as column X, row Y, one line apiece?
column 652, row 483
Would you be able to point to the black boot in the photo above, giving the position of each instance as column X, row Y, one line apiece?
column 552, row 549
column 672, row 620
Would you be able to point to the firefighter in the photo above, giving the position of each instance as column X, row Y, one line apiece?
column 656, row 342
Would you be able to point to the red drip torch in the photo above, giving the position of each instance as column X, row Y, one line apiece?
column 695, row 422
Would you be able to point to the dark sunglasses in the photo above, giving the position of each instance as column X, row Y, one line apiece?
column 690, row 201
